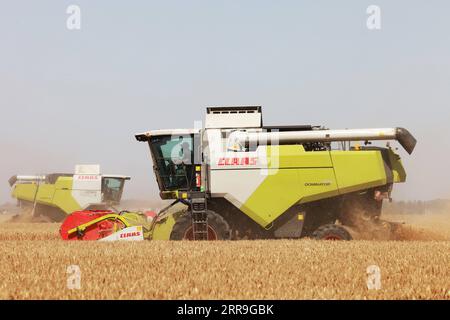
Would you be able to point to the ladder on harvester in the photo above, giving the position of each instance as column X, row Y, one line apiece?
column 199, row 216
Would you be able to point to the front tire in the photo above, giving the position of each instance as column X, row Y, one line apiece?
column 218, row 228
column 331, row 232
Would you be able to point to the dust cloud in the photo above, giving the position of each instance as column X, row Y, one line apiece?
column 428, row 226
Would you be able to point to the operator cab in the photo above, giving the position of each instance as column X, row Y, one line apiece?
column 172, row 153
column 112, row 188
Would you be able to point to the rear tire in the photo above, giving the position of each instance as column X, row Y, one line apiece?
column 218, row 228
column 331, row 232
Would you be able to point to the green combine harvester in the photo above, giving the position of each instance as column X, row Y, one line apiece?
column 240, row 179
column 56, row 195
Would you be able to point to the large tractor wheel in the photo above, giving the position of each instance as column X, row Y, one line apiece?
column 331, row 232
column 218, row 228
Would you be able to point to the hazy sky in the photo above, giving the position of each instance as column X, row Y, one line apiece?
column 69, row 97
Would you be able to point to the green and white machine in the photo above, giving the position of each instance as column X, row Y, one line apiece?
column 58, row 194
column 240, row 179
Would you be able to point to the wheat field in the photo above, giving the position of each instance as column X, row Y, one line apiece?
column 34, row 264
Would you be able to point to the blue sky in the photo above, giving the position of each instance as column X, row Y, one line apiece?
column 71, row 97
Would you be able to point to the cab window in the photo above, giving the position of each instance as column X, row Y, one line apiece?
column 112, row 189
column 173, row 159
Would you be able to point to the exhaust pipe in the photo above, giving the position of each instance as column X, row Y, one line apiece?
column 403, row 136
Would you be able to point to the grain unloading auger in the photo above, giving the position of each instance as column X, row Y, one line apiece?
column 236, row 178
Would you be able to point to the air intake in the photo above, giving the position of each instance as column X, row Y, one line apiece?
column 233, row 117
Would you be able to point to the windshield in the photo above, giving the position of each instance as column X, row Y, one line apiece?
column 112, row 189
column 173, row 158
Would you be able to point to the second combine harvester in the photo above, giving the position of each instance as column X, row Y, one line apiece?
column 243, row 180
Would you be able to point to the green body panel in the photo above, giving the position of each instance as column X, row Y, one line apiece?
column 358, row 170
column 285, row 187
column 301, row 177
column 63, row 198
column 25, row 192
column 163, row 229
column 295, row 156
column 294, row 176
column 63, row 183
column 54, row 195
column 45, row 193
